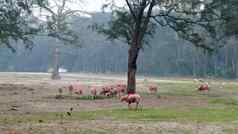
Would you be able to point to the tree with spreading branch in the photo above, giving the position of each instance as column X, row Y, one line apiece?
column 17, row 22
column 59, row 27
column 196, row 21
column 57, row 24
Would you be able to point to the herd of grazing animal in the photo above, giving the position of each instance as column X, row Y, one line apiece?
column 109, row 91
column 119, row 90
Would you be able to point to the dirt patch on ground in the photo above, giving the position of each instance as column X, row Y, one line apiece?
column 25, row 99
column 25, row 94
column 34, row 93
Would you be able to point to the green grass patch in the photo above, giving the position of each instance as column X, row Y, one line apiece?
column 231, row 131
column 89, row 97
column 90, row 131
column 231, row 87
column 156, row 114
column 199, row 114
column 178, row 89
column 225, row 101
column 190, row 89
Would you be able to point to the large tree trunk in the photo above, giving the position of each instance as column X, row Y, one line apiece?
column 132, row 68
column 141, row 22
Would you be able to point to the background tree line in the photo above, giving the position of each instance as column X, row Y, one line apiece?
column 165, row 55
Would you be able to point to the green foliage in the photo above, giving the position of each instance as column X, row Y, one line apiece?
column 16, row 22
column 121, row 27
column 196, row 21
column 230, row 12
column 149, row 114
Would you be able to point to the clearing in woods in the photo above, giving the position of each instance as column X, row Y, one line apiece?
column 28, row 105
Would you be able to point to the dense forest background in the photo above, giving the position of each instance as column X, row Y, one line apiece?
column 166, row 55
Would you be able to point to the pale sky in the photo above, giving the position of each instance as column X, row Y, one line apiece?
column 84, row 5
column 95, row 5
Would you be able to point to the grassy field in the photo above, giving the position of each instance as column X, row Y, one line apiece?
column 177, row 108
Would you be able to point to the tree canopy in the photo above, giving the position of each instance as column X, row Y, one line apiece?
column 197, row 21
column 230, row 11
column 16, row 21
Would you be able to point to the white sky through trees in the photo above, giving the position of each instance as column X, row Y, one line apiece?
column 95, row 5
column 82, row 5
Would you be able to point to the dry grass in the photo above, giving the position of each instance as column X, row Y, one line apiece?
column 28, row 106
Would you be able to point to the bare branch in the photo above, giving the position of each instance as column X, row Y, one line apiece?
column 131, row 9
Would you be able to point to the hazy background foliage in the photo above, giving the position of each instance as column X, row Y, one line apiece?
column 165, row 55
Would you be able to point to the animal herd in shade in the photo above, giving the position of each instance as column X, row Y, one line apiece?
column 119, row 90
